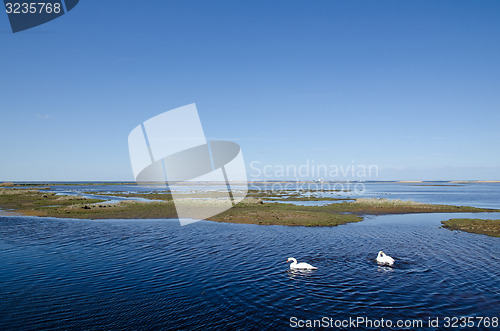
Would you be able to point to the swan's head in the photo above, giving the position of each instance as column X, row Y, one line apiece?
column 291, row 259
column 381, row 253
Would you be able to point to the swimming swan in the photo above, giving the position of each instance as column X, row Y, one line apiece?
column 384, row 259
column 301, row 265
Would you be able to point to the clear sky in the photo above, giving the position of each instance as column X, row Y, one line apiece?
column 410, row 86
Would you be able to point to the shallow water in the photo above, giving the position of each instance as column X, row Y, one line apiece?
column 484, row 195
column 110, row 199
column 101, row 274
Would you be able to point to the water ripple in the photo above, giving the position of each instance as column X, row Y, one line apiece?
column 114, row 274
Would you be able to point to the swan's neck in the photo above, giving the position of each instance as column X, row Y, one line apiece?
column 294, row 261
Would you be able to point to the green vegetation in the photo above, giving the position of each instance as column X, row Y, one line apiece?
column 363, row 206
column 122, row 210
column 329, row 215
column 36, row 203
column 479, row 226
column 283, row 214
column 307, row 198
column 251, row 210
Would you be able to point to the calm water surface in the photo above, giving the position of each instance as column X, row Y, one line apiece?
column 67, row 274
column 150, row 274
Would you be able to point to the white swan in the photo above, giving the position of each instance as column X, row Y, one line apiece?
column 301, row 265
column 384, row 259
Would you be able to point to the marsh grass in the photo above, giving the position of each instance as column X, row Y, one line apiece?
column 366, row 206
column 479, row 226
column 34, row 202
column 283, row 214
column 251, row 210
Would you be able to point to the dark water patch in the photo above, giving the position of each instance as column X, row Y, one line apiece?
column 113, row 274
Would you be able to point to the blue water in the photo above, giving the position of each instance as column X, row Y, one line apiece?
column 62, row 274
column 484, row 195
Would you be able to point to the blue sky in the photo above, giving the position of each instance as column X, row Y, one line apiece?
column 409, row 86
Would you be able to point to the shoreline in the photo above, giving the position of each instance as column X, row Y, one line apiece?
column 489, row 227
column 252, row 210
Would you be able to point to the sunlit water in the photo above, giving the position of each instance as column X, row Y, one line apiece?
column 155, row 274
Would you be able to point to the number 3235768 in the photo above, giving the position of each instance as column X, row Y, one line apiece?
column 33, row 8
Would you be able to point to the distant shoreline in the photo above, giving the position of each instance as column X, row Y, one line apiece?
column 414, row 182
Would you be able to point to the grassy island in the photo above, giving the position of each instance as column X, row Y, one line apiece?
column 479, row 226
column 36, row 202
column 252, row 210
column 332, row 214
